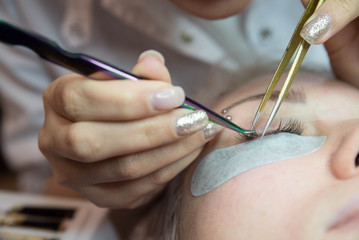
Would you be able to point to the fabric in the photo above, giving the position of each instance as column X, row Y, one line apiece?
column 117, row 31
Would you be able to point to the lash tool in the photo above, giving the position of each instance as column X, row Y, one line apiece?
column 287, row 56
column 90, row 67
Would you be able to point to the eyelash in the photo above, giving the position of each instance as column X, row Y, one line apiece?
column 289, row 126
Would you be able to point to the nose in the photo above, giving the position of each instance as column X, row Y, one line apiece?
column 344, row 161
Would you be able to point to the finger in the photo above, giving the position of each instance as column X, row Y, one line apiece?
column 331, row 17
column 94, row 141
column 130, row 194
column 77, row 98
column 343, row 51
column 151, row 65
column 131, row 167
column 158, row 180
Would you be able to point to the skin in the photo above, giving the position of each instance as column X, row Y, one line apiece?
column 212, row 9
column 293, row 199
column 86, row 121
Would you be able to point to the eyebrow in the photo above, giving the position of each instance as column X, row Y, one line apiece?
column 293, row 96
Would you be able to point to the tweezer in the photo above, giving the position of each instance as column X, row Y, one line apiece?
column 287, row 56
column 89, row 66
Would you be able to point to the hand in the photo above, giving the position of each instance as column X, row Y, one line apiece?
column 336, row 24
column 116, row 142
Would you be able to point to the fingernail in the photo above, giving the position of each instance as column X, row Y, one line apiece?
column 314, row 30
column 151, row 53
column 167, row 98
column 210, row 130
column 191, row 122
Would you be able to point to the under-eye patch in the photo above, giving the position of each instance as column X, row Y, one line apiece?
column 223, row 164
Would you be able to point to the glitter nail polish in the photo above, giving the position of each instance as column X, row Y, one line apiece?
column 316, row 28
column 191, row 122
column 209, row 130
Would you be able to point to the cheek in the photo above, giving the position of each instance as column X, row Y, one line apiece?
column 275, row 195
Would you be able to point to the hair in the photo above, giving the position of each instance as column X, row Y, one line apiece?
column 163, row 221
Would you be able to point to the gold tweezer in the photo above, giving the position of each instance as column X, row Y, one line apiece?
column 287, row 56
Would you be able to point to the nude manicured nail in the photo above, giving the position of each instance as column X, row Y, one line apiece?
column 151, row 53
column 315, row 29
column 167, row 98
column 191, row 122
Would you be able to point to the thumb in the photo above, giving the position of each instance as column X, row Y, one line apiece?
column 331, row 17
column 151, row 65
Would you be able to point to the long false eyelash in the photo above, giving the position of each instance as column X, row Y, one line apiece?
column 291, row 126
column 285, row 126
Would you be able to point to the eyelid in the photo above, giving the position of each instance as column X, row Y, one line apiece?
column 294, row 95
column 291, row 125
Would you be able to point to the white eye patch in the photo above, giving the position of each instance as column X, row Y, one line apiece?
column 223, row 164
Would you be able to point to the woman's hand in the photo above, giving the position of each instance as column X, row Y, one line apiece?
column 118, row 142
column 336, row 24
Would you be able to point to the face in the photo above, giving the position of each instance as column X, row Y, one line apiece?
column 212, row 9
column 309, row 197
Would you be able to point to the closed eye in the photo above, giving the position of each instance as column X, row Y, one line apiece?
column 288, row 126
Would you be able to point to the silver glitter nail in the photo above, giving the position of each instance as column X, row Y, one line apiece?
column 191, row 122
column 209, row 130
column 315, row 29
